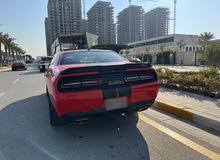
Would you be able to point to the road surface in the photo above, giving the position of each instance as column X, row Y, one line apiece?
column 26, row 134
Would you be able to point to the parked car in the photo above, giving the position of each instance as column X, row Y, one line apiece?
column 44, row 63
column 18, row 65
column 84, row 83
column 134, row 60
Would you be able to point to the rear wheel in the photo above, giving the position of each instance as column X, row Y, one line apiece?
column 13, row 69
column 47, row 93
column 55, row 120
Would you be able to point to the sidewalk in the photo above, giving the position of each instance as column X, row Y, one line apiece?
column 197, row 108
column 4, row 68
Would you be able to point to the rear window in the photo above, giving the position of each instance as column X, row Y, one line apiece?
column 85, row 57
column 18, row 62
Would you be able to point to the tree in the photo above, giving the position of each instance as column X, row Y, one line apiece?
column 127, row 53
column 181, row 44
column 205, row 38
column 1, row 42
column 10, row 47
column 211, row 55
column 121, row 52
column 162, row 50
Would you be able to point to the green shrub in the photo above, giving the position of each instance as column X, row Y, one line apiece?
column 206, row 82
column 208, row 73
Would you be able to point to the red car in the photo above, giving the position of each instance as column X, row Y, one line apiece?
column 84, row 83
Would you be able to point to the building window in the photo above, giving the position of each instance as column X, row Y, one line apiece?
column 190, row 49
column 187, row 49
column 194, row 48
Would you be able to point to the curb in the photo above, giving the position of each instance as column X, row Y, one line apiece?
column 189, row 115
column 5, row 69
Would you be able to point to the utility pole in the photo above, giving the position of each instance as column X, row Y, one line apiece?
column 174, row 24
column 129, row 2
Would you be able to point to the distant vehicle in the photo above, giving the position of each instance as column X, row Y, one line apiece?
column 134, row 60
column 18, row 65
column 29, row 61
column 44, row 62
column 84, row 83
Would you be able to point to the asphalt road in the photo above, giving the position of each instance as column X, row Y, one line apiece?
column 25, row 133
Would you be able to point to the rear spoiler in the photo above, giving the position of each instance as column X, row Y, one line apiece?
column 106, row 68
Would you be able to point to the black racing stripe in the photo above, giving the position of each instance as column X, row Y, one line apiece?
column 124, row 91
column 109, row 93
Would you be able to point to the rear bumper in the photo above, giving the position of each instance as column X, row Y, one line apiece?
column 18, row 67
column 141, row 106
column 90, row 101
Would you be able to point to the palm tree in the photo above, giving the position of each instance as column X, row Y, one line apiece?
column 162, row 49
column 13, row 48
column 1, row 42
column 9, row 44
column 181, row 44
column 127, row 53
column 204, row 39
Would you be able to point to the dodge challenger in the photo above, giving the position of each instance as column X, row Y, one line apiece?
column 84, row 83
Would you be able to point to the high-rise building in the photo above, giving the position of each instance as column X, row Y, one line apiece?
column 48, row 37
column 156, row 23
column 101, row 22
column 64, row 18
column 84, row 25
column 131, row 25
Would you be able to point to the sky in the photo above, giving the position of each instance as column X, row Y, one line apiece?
column 24, row 19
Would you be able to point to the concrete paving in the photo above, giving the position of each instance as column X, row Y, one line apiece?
column 205, row 110
column 182, row 68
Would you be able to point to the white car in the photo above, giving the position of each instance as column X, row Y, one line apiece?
column 44, row 63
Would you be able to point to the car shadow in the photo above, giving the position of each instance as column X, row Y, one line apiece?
column 26, row 134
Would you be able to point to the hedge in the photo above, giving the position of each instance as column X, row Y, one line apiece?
column 206, row 82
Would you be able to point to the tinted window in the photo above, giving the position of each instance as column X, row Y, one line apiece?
column 90, row 57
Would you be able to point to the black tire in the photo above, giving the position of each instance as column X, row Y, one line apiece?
column 55, row 120
column 47, row 93
column 13, row 69
column 41, row 70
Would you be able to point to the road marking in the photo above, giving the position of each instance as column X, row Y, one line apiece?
column 43, row 150
column 2, row 94
column 15, row 81
column 1, row 155
column 202, row 150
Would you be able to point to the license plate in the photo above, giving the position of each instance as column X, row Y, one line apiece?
column 116, row 103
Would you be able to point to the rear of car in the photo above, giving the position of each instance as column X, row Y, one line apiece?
column 44, row 63
column 18, row 65
column 89, row 83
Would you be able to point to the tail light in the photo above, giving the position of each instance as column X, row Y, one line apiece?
column 141, row 76
column 21, row 65
column 81, row 83
column 13, row 65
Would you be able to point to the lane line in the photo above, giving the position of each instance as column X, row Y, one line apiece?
column 43, row 150
column 202, row 150
column 2, row 94
column 15, row 81
column 2, row 155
